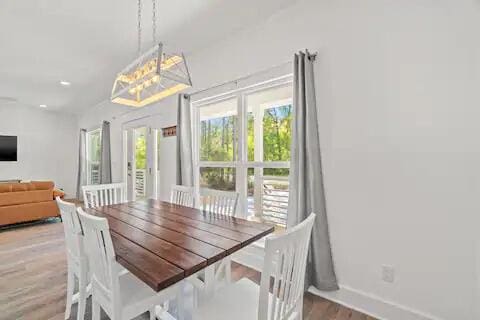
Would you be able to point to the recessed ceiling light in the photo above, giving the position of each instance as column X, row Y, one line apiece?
column 43, row 106
column 65, row 83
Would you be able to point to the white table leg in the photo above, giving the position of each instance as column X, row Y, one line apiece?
column 209, row 283
column 182, row 307
column 162, row 314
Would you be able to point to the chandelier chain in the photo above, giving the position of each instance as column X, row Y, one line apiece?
column 139, row 27
column 154, row 21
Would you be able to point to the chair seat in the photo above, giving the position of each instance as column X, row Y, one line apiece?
column 237, row 301
column 133, row 290
column 136, row 296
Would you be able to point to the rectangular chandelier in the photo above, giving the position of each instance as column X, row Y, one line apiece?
column 150, row 78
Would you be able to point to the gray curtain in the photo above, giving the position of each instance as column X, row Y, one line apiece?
column 82, row 162
column 105, row 155
column 306, row 179
column 184, row 142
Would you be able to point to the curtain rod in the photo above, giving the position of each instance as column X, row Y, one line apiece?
column 310, row 55
column 236, row 80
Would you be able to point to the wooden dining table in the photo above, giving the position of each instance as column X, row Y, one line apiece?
column 163, row 243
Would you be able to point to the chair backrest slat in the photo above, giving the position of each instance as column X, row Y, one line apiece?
column 220, row 202
column 72, row 228
column 103, row 194
column 100, row 251
column 285, row 261
column 182, row 195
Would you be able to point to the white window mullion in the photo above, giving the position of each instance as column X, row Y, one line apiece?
column 218, row 164
column 196, row 153
column 258, row 157
column 241, row 170
column 269, row 164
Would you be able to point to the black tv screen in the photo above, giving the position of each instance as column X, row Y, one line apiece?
column 8, row 148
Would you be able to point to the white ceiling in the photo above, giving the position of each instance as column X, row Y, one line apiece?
column 87, row 42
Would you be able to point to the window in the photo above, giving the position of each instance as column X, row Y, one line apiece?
column 93, row 156
column 243, row 144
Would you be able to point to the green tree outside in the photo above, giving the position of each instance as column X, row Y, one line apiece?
column 219, row 142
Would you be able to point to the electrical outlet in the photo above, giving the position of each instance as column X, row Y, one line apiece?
column 388, row 273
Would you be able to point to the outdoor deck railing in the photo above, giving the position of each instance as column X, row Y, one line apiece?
column 275, row 199
column 140, row 182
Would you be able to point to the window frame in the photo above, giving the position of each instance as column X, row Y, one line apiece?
column 87, row 155
column 241, row 164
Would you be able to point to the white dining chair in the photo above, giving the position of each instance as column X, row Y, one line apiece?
column 103, row 194
column 121, row 295
column 77, row 261
column 182, row 195
column 206, row 281
column 220, row 202
column 285, row 261
column 223, row 203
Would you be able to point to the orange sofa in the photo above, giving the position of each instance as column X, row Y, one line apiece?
column 22, row 202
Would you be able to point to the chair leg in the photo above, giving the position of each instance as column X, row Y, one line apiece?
column 228, row 271
column 195, row 294
column 152, row 314
column 95, row 310
column 180, row 302
column 70, row 288
column 82, row 296
column 300, row 310
column 209, row 283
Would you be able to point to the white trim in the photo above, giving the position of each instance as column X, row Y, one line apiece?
column 241, row 172
column 262, row 85
column 248, row 164
column 88, row 147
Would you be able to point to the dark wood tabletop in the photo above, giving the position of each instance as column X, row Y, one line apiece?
column 163, row 243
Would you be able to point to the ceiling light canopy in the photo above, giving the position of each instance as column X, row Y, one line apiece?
column 65, row 83
column 153, row 76
column 43, row 106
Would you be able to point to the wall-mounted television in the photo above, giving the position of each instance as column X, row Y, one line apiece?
column 8, row 148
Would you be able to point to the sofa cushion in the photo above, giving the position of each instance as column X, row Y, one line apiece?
column 5, row 187
column 43, row 185
column 28, row 212
column 22, row 197
column 16, row 187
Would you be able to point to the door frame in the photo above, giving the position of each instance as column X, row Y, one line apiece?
column 153, row 123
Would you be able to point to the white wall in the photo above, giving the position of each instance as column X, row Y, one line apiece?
column 397, row 85
column 47, row 146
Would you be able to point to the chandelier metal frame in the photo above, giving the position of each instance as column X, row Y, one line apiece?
column 152, row 76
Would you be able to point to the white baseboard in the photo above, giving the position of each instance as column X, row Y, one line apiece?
column 372, row 305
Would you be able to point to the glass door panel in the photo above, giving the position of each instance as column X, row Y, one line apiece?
column 141, row 176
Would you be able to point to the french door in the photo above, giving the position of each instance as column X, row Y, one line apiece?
column 140, row 162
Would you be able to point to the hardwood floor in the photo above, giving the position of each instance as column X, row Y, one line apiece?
column 33, row 274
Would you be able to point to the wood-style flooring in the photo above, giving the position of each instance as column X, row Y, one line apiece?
column 33, row 273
